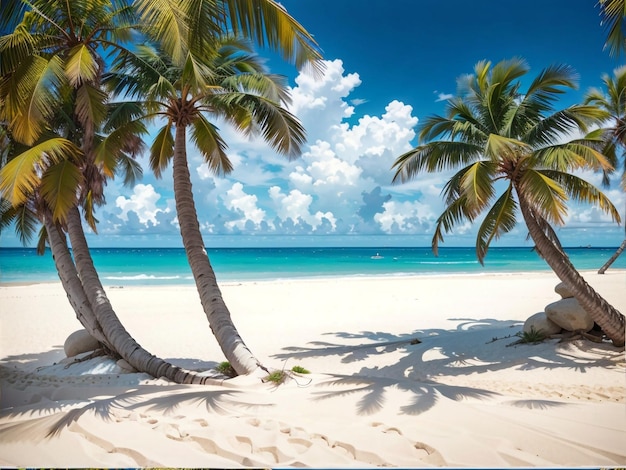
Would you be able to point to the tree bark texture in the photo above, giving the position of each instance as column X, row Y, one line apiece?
column 604, row 314
column 112, row 327
column 612, row 259
column 71, row 283
column 215, row 309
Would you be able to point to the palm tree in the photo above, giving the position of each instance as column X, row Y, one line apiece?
column 500, row 138
column 50, row 82
column 613, row 13
column 61, row 62
column 227, row 81
column 613, row 101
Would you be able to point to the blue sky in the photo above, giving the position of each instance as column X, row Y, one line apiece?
column 389, row 65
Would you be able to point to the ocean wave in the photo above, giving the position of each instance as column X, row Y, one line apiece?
column 143, row 277
column 447, row 262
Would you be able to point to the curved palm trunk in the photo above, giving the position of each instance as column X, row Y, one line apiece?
column 612, row 259
column 604, row 314
column 71, row 283
column 112, row 328
column 233, row 347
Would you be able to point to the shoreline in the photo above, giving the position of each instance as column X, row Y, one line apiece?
column 462, row 396
column 400, row 276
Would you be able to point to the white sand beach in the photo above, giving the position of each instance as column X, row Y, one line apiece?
column 463, row 396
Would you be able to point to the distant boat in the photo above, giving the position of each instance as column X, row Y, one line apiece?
column 377, row 256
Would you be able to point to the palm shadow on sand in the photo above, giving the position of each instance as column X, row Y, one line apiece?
column 475, row 346
column 47, row 416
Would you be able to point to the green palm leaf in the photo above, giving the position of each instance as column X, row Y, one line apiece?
column 29, row 97
column 499, row 220
column 476, row 185
column 453, row 214
column 58, row 188
column 545, row 195
column 270, row 25
column 80, row 66
column 165, row 21
column 614, row 14
column 505, row 148
column 20, row 176
column 162, row 150
column 21, row 217
column 129, row 168
column 583, row 191
column 207, row 139
column 90, row 104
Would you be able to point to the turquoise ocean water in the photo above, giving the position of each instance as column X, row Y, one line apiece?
column 159, row 266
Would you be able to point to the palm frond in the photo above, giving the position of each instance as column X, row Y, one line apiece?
column 499, row 220
column 58, row 188
column 20, row 176
column 476, row 185
column 572, row 156
column 434, row 156
column 15, row 47
column 207, row 139
column 162, row 150
column 563, row 123
column 90, row 106
column 165, row 21
column 129, row 168
column 30, row 98
column 271, row 26
column 453, row 214
column 544, row 194
column 504, row 148
column 582, row 191
column 21, row 218
column 545, row 88
column 80, row 66
column 42, row 239
column 614, row 18
column 89, row 210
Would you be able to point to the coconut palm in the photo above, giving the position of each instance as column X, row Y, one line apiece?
column 61, row 63
column 613, row 13
column 225, row 81
column 613, row 100
column 500, row 139
column 189, row 35
column 50, row 85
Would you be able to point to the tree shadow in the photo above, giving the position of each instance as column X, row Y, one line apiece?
column 149, row 398
column 43, row 411
column 428, row 356
column 424, row 394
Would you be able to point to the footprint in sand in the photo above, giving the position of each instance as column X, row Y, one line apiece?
column 386, row 430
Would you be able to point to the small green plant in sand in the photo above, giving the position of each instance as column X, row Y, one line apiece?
column 226, row 369
column 277, row 377
column 530, row 337
column 300, row 370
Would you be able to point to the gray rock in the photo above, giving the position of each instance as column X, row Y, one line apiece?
column 569, row 315
column 125, row 366
column 540, row 322
column 563, row 291
column 80, row 342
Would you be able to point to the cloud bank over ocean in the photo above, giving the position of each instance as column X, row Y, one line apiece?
column 341, row 185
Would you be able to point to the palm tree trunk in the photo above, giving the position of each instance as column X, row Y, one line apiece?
column 231, row 343
column 612, row 259
column 604, row 314
column 112, row 328
column 71, row 282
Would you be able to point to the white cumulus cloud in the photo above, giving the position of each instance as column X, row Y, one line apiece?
column 142, row 202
